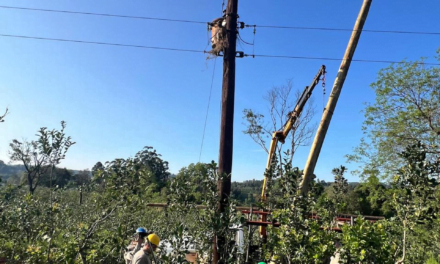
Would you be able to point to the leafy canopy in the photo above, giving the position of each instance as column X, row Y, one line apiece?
column 406, row 111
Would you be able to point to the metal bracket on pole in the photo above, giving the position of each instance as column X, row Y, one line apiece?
column 239, row 54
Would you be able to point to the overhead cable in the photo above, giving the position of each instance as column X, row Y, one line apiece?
column 328, row 59
column 197, row 51
column 204, row 22
column 101, row 14
column 101, row 43
column 346, row 29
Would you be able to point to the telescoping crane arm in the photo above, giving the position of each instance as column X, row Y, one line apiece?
column 280, row 136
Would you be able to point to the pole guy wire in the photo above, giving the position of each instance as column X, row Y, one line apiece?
column 207, row 110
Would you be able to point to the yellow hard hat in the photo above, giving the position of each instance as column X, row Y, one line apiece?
column 154, row 239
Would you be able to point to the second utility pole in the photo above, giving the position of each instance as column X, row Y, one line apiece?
column 227, row 120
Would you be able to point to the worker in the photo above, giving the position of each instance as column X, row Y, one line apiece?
column 143, row 256
column 136, row 244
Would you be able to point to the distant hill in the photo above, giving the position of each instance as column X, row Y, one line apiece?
column 7, row 171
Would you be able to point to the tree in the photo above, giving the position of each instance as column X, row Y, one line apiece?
column 97, row 170
column 340, row 188
column 299, row 238
column 365, row 242
column 406, row 110
column 202, row 226
column 153, row 162
column 373, row 197
column 192, row 176
column 82, row 177
column 414, row 200
column 3, row 116
column 145, row 170
column 57, row 177
column 41, row 155
column 281, row 104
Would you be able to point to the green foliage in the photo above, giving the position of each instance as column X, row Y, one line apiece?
column 97, row 168
column 93, row 223
column 200, row 226
column 365, row 242
column 246, row 192
column 410, row 236
column 90, row 224
column 7, row 171
column 406, row 111
column 254, row 127
column 415, row 202
column 72, row 218
column 190, row 179
column 433, row 260
column 372, row 198
column 340, row 187
column 153, row 162
column 57, row 177
column 40, row 156
column 300, row 238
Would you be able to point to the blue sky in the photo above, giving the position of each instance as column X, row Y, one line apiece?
column 116, row 100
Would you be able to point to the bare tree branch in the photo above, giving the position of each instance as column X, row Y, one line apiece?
column 280, row 105
column 3, row 116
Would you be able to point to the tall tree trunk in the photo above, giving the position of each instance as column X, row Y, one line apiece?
column 30, row 182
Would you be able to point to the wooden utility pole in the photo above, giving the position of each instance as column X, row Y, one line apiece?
column 227, row 119
column 333, row 99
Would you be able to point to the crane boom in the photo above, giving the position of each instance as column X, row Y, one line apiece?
column 280, row 135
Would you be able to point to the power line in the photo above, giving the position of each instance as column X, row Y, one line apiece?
column 329, row 59
column 346, row 29
column 102, row 14
column 102, row 43
column 203, row 22
column 198, row 51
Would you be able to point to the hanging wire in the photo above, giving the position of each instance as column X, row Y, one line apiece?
column 253, row 41
column 323, row 91
column 207, row 110
column 207, row 36
column 242, row 40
